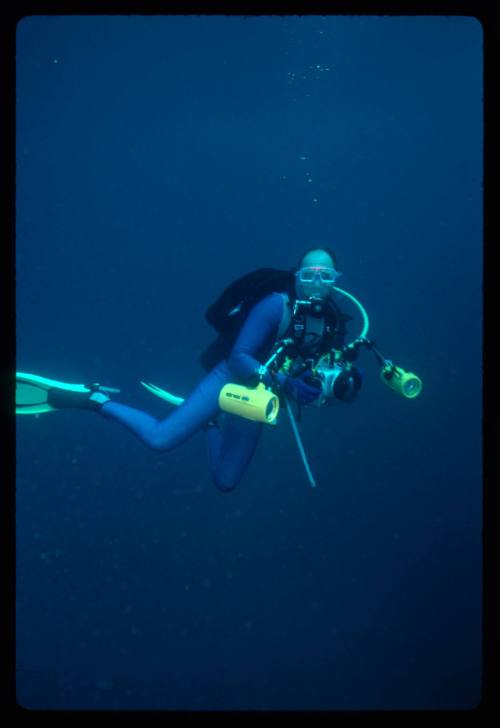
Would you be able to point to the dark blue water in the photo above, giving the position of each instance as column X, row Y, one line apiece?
column 158, row 158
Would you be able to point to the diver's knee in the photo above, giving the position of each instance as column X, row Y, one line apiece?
column 158, row 443
column 224, row 485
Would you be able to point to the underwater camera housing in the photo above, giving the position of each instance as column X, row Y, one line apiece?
column 338, row 383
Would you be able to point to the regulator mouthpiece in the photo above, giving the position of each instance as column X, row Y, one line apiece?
column 402, row 382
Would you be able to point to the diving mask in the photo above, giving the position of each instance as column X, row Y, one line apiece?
column 317, row 274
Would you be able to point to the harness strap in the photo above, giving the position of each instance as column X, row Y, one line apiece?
column 286, row 316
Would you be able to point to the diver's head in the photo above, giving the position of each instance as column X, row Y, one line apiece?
column 316, row 275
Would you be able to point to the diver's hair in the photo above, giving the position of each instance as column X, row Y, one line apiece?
column 319, row 247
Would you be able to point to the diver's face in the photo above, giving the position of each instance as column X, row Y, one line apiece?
column 315, row 281
column 316, row 276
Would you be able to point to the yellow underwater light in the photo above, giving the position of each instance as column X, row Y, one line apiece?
column 253, row 403
column 402, row 382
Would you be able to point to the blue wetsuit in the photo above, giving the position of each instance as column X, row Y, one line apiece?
column 230, row 448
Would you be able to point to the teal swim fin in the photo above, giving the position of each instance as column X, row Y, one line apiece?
column 162, row 394
column 35, row 394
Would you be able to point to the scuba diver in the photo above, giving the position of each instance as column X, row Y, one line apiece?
column 281, row 338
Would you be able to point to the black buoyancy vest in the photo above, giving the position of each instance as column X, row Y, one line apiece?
column 333, row 336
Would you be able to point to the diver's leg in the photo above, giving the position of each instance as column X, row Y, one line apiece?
column 215, row 438
column 231, row 449
column 198, row 408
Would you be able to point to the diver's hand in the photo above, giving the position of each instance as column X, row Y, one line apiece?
column 300, row 388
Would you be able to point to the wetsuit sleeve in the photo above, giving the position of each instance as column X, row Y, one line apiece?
column 260, row 327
